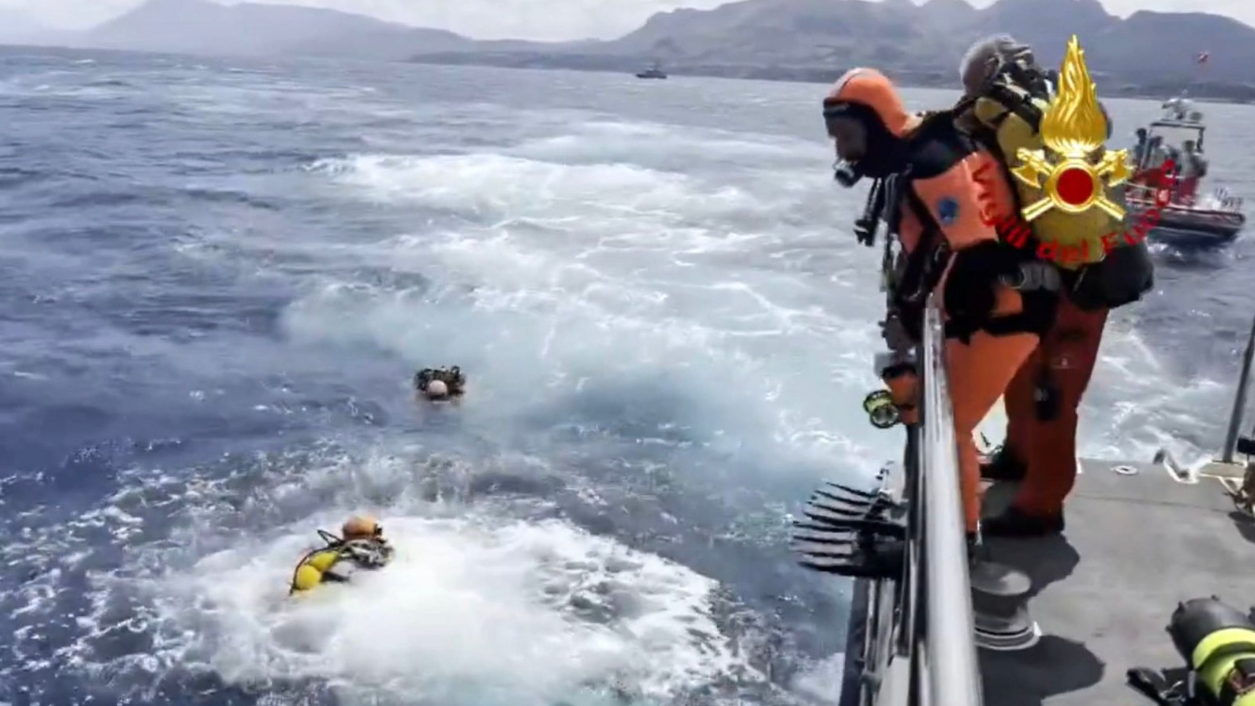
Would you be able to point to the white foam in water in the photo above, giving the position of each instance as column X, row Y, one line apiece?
column 1130, row 413
column 669, row 145
column 514, row 187
column 822, row 682
column 603, row 267
column 468, row 613
column 606, row 221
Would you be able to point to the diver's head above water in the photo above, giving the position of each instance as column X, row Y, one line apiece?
column 439, row 384
column 868, row 124
column 436, row 390
column 360, row 527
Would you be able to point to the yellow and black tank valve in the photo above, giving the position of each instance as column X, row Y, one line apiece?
column 1218, row 643
column 881, row 409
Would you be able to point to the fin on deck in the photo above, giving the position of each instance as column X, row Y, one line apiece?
column 1135, row 545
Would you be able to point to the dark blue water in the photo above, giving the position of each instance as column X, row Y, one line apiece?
column 218, row 276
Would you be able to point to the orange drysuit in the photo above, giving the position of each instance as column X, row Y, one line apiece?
column 943, row 202
column 1042, row 404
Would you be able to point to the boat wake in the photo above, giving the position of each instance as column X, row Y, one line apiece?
column 477, row 609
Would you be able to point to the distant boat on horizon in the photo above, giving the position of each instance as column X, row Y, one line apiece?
column 652, row 72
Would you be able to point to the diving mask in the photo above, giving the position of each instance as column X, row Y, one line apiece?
column 836, row 121
column 864, row 146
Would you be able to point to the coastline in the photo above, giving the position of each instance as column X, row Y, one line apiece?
column 906, row 77
column 628, row 65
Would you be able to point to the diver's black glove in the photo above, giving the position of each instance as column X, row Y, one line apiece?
column 970, row 293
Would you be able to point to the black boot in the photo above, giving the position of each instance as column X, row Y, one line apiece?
column 1015, row 523
column 1004, row 465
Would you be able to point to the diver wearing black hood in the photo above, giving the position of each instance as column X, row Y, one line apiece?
column 927, row 196
column 440, row 383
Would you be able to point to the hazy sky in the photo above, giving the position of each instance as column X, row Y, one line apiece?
column 539, row 19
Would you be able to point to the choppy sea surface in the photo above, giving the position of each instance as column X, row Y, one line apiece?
column 217, row 277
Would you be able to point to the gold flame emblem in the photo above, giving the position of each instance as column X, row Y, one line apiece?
column 1075, row 165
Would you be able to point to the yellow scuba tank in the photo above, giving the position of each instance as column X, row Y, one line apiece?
column 1218, row 643
column 310, row 570
column 1011, row 114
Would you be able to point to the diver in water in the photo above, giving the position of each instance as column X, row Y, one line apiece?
column 440, row 384
column 361, row 545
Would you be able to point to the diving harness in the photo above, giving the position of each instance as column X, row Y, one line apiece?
column 907, row 280
column 369, row 553
column 318, row 565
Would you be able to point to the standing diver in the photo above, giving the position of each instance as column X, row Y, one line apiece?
column 1001, row 110
column 361, row 545
column 927, row 194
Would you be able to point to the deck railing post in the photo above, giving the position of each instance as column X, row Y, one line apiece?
column 1239, row 399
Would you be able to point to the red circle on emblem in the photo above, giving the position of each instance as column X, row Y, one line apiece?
column 1075, row 186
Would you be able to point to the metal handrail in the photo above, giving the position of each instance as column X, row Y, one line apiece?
column 914, row 641
column 952, row 671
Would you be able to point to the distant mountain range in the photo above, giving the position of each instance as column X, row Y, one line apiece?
column 253, row 29
column 1149, row 53
column 203, row 27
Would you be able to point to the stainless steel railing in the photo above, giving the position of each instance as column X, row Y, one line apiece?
column 911, row 639
column 951, row 670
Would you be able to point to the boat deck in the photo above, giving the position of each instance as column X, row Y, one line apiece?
column 1135, row 545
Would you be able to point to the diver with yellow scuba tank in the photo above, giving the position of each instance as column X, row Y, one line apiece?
column 360, row 546
column 1006, row 97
